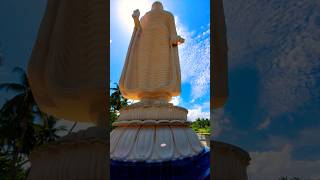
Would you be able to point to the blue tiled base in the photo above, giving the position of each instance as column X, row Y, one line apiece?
column 197, row 168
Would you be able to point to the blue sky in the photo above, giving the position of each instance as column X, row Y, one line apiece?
column 19, row 22
column 274, row 72
column 273, row 110
column 192, row 22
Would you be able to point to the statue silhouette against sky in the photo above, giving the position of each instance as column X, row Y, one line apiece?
column 152, row 71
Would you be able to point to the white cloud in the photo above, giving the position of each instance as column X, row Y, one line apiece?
column 267, row 165
column 282, row 44
column 197, row 112
column 274, row 164
column 220, row 122
column 130, row 101
column 195, row 59
column 265, row 124
column 68, row 124
column 176, row 100
column 307, row 137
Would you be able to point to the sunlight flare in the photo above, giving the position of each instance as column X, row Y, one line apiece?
column 125, row 9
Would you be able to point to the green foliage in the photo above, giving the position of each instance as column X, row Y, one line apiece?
column 5, row 163
column 117, row 101
column 201, row 125
column 23, row 127
column 113, row 118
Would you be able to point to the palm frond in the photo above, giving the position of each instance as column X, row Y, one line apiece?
column 13, row 87
column 23, row 75
column 18, row 70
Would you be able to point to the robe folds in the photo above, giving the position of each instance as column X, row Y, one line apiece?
column 219, row 74
column 67, row 70
column 152, row 68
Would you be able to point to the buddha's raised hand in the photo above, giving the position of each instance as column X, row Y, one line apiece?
column 136, row 13
column 176, row 40
column 180, row 40
column 135, row 16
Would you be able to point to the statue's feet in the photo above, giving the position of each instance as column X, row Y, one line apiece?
column 160, row 102
column 152, row 102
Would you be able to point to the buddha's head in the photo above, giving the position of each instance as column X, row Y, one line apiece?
column 157, row 6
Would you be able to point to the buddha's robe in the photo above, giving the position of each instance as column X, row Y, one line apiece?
column 219, row 75
column 67, row 70
column 152, row 69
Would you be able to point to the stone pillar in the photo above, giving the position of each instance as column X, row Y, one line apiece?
column 228, row 162
column 219, row 59
column 153, row 133
column 81, row 155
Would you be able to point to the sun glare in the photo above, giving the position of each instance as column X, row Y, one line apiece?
column 126, row 8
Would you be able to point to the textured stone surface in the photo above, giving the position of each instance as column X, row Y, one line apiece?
column 228, row 161
column 68, row 77
column 67, row 69
column 153, row 112
column 152, row 69
column 153, row 129
column 219, row 74
column 80, row 155
column 153, row 143
column 153, row 133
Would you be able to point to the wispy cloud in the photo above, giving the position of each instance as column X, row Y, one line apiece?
column 195, row 59
column 219, row 122
column 282, row 44
column 307, row 137
column 264, row 124
column 194, row 53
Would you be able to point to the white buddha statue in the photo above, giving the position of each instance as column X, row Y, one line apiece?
column 152, row 130
column 151, row 71
column 67, row 70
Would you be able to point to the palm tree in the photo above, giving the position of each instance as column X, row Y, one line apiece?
column 16, row 120
column 5, row 163
column 19, row 132
column 117, row 101
column 47, row 131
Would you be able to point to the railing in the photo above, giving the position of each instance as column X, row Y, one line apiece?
column 204, row 139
